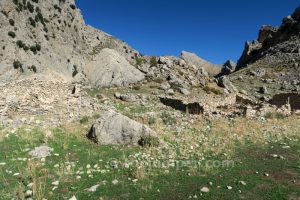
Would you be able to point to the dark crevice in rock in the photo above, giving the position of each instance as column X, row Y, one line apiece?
column 191, row 108
column 282, row 99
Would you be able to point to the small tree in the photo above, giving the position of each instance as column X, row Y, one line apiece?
column 153, row 61
column 12, row 34
column 33, row 68
column 11, row 22
column 18, row 65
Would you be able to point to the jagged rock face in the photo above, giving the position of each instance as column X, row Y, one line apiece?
column 115, row 128
column 275, row 42
column 228, row 67
column 47, row 34
column 109, row 68
column 192, row 59
column 50, row 38
column 97, row 40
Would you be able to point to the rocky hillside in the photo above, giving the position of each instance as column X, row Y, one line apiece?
column 280, row 43
column 270, row 64
column 50, row 39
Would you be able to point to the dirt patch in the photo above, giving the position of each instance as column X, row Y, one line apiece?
column 248, row 172
column 283, row 175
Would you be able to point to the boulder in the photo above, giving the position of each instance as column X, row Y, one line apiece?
column 41, row 152
column 117, row 129
column 110, row 69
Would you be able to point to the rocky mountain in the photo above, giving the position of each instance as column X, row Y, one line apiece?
column 280, row 43
column 270, row 64
column 49, row 39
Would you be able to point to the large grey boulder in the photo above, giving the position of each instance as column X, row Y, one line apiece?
column 224, row 82
column 192, row 59
column 117, row 129
column 109, row 68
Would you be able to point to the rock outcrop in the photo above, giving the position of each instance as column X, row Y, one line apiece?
column 193, row 60
column 50, row 38
column 109, row 68
column 117, row 129
column 281, row 43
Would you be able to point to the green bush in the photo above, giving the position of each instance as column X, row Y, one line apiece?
column 136, row 87
column 11, row 22
column 149, row 142
column 32, row 22
column 84, row 120
column 210, row 90
column 33, row 49
column 33, row 68
column 158, row 80
column 139, row 61
column 12, row 34
column 35, row 1
column 18, row 65
column 30, row 7
column 275, row 115
column 56, row 7
column 38, row 47
column 25, row 47
column 16, row 2
column 153, row 61
column 20, row 44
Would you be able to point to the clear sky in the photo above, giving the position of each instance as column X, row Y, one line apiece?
column 216, row 30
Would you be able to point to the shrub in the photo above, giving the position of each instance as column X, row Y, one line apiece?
column 11, row 22
column 158, row 80
column 84, row 120
column 45, row 29
column 33, row 49
column 139, row 61
column 210, row 90
column 39, row 17
column 12, row 34
column 32, row 22
column 149, row 142
column 35, row 1
column 30, row 7
column 151, row 120
column 153, row 61
column 20, row 44
column 16, row 2
column 33, row 68
column 26, row 48
column 18, row 65
column 275, row 115
column 136, row 87
column 56, row 7
column 38, row 47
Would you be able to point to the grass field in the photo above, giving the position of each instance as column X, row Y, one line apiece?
column 254, row 168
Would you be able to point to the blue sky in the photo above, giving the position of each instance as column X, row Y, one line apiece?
column 216, row 30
